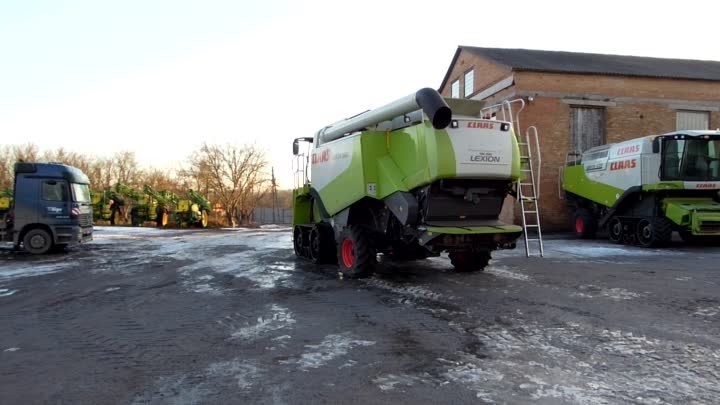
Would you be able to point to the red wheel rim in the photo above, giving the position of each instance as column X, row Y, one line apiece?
column 348, row 253
column 579, row 225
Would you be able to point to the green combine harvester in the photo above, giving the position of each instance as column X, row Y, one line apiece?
column 417, row 177
column 643, row 189
column 192, row 211
column 107, row 206
column 164, row 202
column 6, row 199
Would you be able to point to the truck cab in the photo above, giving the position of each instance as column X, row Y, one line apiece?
column 51, row 208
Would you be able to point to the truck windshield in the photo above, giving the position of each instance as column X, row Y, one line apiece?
column 81, row 192
column 691, row 159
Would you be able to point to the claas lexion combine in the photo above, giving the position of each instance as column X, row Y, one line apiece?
column 420, row 176
column 643, row 189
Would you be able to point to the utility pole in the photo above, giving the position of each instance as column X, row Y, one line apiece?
column 274, row 196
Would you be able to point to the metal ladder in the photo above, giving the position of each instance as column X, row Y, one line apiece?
column 528, row 188
column 528, row 192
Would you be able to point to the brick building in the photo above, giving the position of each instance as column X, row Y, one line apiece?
column 579, row 100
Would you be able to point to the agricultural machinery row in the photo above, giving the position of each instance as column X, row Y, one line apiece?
column 122, row 204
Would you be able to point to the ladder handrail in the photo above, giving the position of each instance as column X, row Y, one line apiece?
column 532, row 132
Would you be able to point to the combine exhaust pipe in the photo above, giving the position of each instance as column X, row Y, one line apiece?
column 427, row 99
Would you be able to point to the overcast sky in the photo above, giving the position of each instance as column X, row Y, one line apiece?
column 161, row 77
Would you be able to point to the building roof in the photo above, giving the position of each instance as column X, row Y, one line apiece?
column 593, row 63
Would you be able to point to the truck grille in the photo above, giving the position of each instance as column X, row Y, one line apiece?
column 85, row 219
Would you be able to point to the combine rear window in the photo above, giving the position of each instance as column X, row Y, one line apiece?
column 691, row 159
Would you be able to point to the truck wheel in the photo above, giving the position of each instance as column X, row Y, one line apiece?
column 322, row 245
column 615, row 230
column 37, row 241
column 469, row 261
column 356, row 255
column 585, row 224
column 654, row 232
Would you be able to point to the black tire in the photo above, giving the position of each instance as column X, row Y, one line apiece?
column 585, row 224
column 37, row 241
column 465, row 262
column 322, row 244
column 298, row 242
column 134, row 218
column 115, row 216
column 615, row 230
column 355, row 254
column 653, row 232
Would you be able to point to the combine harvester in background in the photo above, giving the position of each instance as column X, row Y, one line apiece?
column 417, row 177
column 107, row 206
column 644, row 189
column 192, row 211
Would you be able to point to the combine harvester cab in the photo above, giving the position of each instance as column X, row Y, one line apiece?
column 644, row 189
column 412, row 179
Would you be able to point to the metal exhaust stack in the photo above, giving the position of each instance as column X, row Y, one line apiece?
column 427, row 99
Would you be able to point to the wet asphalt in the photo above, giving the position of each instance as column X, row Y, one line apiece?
column 147, row 316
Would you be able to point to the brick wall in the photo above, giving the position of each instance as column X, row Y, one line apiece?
column 486, row 73
column 641, row 107
column 637, row 107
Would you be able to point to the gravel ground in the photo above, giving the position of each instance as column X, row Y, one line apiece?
column 147, row 316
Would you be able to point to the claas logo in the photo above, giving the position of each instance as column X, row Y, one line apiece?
column 321, row 157
column 623, row 164
column 480, row 124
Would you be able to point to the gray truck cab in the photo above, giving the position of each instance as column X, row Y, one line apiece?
column 51, row 208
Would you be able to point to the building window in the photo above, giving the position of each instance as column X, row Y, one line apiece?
column 469, row 83
column 692, row 120
column 455, row 89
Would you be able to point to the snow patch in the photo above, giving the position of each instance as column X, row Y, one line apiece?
column 279, row 318
column 11, row 349
column 332, row 347
column 707, row 311
column 111, row 289
column 504, row 272
column 390, row 382
column 411, row 291
column 4, row 292
column 616, row 294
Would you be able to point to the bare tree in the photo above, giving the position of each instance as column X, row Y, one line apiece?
column 234, row 176
column 125, row 167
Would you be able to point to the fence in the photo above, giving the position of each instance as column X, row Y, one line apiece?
column 265, row 216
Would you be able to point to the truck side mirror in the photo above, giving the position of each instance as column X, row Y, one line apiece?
column 656, row 145
column 296, row 147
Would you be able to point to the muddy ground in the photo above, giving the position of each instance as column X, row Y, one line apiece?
column 146, row 316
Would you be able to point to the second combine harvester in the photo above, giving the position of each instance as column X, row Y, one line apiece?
column 412, row 179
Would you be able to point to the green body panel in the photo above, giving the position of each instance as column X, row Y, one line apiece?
column 475, row 230
column 302, row 209
column 575, row 181
column 664, row 185
column 692, row 213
